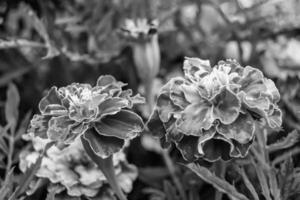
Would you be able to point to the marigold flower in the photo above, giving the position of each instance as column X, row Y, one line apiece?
column 71, row 170
column 101, row 114
column 211, row 112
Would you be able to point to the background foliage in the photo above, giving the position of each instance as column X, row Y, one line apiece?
column 46, row 43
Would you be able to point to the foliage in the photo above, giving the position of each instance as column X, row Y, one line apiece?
column 231, row 130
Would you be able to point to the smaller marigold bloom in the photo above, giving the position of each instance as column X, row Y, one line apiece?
column 143, row 36
column 211, row 112
column 102, row 115
column 72, row 172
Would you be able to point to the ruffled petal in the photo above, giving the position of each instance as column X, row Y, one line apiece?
column 51, row 103
column 111, row 106
column 105, row 80
column 173, row 133
column 39, row 125
column 272, row 90
column 165, row 107
column 59, row 128
column 188, row 147
column 176, row 94
column 274, row 118
column 103, row 146
column 242, row 129
column 205, row 135
column 226, row 106
column 191, row 93
column 195, row 118
column 124, row 125
column 155, row 125
column 216, row 149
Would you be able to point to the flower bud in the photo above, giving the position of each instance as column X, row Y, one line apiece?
column 144, row 40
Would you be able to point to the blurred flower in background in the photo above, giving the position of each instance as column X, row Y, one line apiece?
column 71, row 172
column 280, row 57
column 211, row 112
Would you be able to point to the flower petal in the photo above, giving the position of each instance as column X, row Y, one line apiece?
column 242, row 129
column 103, row 146
column 188, row 148
column 272, row 90
column 191, row 93
column 51, row 103
column 165, row 107
column 226, row 106
column 195, row 118
column 216, row 149
column 173, row 134
column 275, row 118
column 111, row 106
column 205, row 135
column 59, row 128
column 155, row 125
column 39, row 125
column 176, row 94
column 124, row 125
column 105, row 80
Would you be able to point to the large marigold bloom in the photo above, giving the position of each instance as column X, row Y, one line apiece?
column 211, row 112
column 101, row 114
column 72, row 172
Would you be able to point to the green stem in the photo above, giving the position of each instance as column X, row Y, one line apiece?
column 149, row 95
column 220, row 170
column 170, row 165
column 107, row 167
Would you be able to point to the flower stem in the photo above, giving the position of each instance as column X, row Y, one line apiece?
column 170, row 165
column 220, row 170
column 107, row 167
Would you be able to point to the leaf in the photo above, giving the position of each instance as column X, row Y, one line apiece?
column 106, row 166
column 103, row 146
column 30, row 173
column 262, row 180
column 13, row 43
column 291, row 139
column 218, row 183
column 247, row 182
column 23, row 125
column 13, row 74
column 11, row 106
column 124, row 125
column 7, row 185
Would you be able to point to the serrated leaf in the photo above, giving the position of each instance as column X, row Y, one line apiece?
column 262, row 180
column 30, row 173
column 219, row 184
column 247, row 182
column 11, row 106
column 291, row 139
